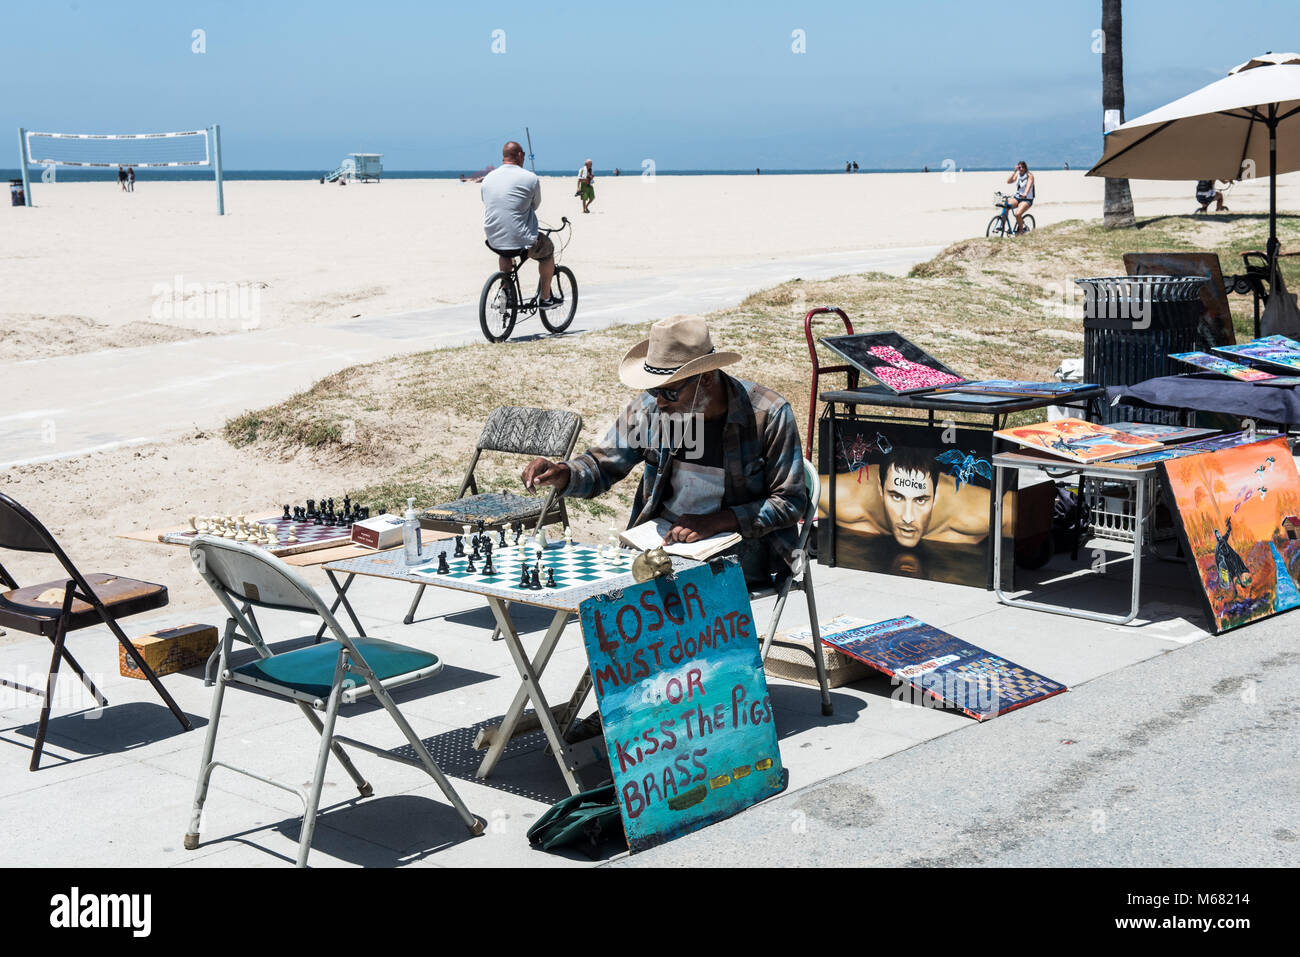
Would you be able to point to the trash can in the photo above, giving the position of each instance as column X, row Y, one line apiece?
column 1130, row 326
column 16, row 196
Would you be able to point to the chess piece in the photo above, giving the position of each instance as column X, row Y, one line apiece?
column 469, row 565
column 194, row 526
column 568, row 537
column 534, row 583
column 272, row 535
column 347, row 504
column 550, row 577
column 311, row 508
column 443, row 567
column 523, row 577
column 501, row 537
column 287, row 516
column 487, row 565
column 241, row 532
column 518, row 529
column 459, row 551
column 291, row 537
column 476, row 553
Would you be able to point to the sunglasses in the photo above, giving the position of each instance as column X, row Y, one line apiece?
column 673, row 394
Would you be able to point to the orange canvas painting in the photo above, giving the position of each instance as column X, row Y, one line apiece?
column 1238, row 514
column 1078, row 441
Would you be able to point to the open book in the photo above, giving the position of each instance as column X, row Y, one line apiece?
column 651, row 535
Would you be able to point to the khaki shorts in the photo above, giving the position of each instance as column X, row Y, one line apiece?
column 542, row 249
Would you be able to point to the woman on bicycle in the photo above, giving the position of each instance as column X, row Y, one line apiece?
column 1024, row 197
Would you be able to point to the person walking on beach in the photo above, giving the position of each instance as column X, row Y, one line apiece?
column 1024, row 197
column 586, row 176
column 511, row 195
column 130, row 179
column 121, row 178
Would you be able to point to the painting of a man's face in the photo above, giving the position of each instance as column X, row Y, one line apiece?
column 909, row 503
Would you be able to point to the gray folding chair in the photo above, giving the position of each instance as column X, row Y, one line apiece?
column 323, row 677
column 800, row 580
column 517, row 431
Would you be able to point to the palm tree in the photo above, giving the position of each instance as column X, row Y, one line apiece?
column 1118, row 207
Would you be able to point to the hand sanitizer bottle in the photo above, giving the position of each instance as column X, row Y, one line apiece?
column 411, row 542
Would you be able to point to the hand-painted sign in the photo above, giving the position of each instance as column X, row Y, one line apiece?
column 683, row 701
column 943, row 667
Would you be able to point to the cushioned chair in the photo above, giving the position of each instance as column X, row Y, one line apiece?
column 800, row 580
column 320, row 677
column 54, row 608
column 517, row 431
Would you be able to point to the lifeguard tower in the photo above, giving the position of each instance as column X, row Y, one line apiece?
column 365, row 167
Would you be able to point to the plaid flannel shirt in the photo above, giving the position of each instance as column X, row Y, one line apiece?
column 762, row 459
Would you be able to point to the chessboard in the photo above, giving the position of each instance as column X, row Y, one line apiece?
column 571, row 566
column 309, row 535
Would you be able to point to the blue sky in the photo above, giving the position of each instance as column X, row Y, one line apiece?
column 698, row 85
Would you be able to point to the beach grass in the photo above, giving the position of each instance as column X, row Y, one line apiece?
column 988, row 308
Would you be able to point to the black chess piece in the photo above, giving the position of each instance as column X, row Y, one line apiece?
column 365, row 512
column 501, row 537
column 319, row 519
column 443, row 567
column 518, row 529
column 469, row 565
column 331, row 506
column 534, row 582
column 487, row 565
column 460, row 548
column 347, row 505
column 550, row 577
column 481, row 523
column 287, row 516
column 311, row 509
column 487, row 545
column 477, row 553
column 523, row 577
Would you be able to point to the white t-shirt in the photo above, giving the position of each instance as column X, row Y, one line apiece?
column 510, row 196
column 584, row 174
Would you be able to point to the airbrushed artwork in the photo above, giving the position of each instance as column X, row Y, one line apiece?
column 907, row 502
column 1237, row 513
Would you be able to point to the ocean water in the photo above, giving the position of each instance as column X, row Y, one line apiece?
column 71, row 174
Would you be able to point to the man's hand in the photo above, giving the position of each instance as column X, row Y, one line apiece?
column 545, row 472
column 692, row 528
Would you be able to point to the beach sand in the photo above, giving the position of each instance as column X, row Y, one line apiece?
column 91, row 268
column 90, row 256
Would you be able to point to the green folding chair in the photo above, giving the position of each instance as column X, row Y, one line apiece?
column 322, row 677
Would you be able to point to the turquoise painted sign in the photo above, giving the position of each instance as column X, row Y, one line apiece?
column 683, row 701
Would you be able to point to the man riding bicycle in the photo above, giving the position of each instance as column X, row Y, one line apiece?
column 511, row 195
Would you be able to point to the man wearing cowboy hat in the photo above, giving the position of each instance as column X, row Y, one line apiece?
column 735, row 466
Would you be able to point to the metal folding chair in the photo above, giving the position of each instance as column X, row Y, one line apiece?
column 517, row 431
column 320, row 677
column 55, row 608
column 801, row 580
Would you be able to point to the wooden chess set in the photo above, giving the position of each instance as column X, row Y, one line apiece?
column 302, row 528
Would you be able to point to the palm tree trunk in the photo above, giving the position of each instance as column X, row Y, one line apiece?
column 1118, row 207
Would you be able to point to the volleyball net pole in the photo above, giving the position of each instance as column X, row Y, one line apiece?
column 22, row 158
column 216, row 166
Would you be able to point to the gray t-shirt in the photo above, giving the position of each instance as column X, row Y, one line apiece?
column 510, row 194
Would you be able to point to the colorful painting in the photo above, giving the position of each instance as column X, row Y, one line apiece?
column 1232, row 508
column 910, row 500
column 1077, row 440
column 1281, row 381
column 943, row 668
column 1274, row 351
column 1013, row 387
column 1222, row 366
column 894, row 362
column 1158, row 432
column 683, row 701
column 1212, row 444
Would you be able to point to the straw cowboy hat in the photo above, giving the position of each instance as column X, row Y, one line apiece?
column 677, row 349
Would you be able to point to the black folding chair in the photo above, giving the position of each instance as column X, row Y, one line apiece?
column 518, row 431
column 55, row 608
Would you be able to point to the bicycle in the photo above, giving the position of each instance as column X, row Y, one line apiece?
column 502, row 299
column 1001, row 224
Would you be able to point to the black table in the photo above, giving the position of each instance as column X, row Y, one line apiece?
column 844, row 406
column 1204, row 392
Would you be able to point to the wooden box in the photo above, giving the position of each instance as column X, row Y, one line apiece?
column 168, row 650
column 795, row 665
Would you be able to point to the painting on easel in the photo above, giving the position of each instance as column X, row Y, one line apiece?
column 1237, row 513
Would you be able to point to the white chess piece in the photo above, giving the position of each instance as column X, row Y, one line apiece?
column 241, row 532
column 568, row 537
column 194, row 524
column 292, row 537
column 272, row 536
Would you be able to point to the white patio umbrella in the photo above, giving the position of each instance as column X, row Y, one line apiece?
column 1248, row 121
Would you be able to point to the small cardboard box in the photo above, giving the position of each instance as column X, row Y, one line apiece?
column 168, row 650
column 382, row 531
column 797, row 665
